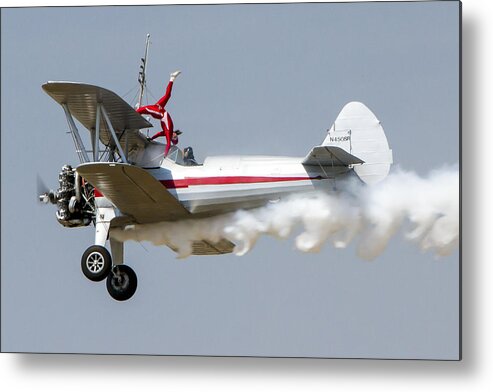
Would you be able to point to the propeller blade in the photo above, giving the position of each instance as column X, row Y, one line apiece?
column 40, row 185
column 45, row 195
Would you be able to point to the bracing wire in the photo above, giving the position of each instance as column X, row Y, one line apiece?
column 134, row 99
column 129, row 91
column 148, row 90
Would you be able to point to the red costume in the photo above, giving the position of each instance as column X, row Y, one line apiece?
column 157, row 111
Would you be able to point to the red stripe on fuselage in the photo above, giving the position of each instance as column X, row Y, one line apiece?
column 186, row 182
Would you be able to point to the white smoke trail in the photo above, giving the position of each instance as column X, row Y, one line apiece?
column 427, row 207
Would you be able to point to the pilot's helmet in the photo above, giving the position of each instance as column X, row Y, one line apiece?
column 188, row 151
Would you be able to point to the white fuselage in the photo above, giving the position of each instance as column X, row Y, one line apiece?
column 227, row 183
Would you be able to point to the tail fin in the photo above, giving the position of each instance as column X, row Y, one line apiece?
column 357, row 131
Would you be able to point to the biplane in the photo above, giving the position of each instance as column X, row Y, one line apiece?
column 125, row 179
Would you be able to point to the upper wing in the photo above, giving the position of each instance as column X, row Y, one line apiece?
column 82, row 100
column 143, row 199
column 133, row 191
column 330, row 156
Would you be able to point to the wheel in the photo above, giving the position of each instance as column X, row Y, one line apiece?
column 121, row 282
column 96, row 263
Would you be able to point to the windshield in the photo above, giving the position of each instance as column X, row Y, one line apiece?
column 175, row 154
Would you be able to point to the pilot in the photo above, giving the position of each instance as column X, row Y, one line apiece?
column 188, row 157
column 157, row 111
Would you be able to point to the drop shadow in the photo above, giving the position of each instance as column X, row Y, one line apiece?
column 470, row 180
column 256, row 367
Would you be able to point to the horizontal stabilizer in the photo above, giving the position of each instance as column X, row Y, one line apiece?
column 330, row 156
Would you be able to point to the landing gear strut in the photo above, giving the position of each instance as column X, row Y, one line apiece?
column 97, row 262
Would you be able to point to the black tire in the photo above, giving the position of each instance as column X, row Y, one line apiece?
column 121, row 283
column 96, row 263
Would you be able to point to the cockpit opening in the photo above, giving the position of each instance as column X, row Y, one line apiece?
column 183, row 158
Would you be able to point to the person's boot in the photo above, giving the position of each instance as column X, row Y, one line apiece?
column 174, row 75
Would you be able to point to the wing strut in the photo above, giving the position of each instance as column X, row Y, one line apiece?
column 96, row 136
column 79, row 146
column 113, row 134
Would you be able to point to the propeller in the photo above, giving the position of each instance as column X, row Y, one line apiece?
column 45, row 194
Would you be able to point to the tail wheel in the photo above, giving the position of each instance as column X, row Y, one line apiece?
column 121, row 282
column 96, row 263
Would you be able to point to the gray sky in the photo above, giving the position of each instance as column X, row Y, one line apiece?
column 257, row 79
